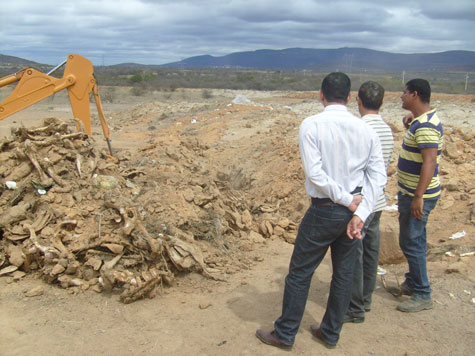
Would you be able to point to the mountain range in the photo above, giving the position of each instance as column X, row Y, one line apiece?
column 344, row 59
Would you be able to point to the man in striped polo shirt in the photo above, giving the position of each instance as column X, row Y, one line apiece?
column 419, row 190
column 369, row 99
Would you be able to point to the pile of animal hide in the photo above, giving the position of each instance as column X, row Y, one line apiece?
column 67, row 213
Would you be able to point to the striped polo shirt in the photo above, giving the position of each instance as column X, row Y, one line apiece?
column 387, row 145
column 425, row 132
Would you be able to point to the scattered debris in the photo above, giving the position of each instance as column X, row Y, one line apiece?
column 83, row 221
column 35, row 292
column 457, row 235
column 393, row 207
column 241, row 99
column 205, row 305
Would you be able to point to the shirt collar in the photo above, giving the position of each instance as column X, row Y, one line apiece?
column 371, row 117
column 424, row 115
column 336, row 107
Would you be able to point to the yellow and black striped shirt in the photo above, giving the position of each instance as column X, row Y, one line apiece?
column 425, row 132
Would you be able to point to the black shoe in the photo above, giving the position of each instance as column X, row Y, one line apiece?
column 315, row 330
column 353, row 319
column 415, row 304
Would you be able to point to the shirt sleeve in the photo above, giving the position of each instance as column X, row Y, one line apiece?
column 427, row 137
column 374, row 180
column 312, row 164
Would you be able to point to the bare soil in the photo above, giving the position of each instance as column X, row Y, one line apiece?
column 254, row 147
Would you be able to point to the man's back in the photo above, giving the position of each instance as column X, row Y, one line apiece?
column 326, row 141
column 386, row 139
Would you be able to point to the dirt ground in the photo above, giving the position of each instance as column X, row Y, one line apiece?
column 253, row 144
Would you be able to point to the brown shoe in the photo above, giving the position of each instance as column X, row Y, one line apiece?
column 270, row 338
column 315, row 330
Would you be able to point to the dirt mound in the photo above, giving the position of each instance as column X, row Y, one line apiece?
column 76, row 218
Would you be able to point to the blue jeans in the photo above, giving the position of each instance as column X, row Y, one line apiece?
column 322, row 227
column 366, row 267
column 413, row 243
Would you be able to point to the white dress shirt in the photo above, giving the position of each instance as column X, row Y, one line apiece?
column 339, row 153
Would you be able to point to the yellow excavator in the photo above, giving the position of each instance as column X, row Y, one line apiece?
column 34, row 86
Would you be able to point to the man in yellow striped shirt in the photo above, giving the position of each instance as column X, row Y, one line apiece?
column 419, row 190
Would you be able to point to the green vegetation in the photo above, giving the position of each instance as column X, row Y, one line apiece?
column 169, row 79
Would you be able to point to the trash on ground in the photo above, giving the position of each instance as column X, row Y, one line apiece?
column 390, row 207
column 10, row 184
column 457, row 235
column 241, row 99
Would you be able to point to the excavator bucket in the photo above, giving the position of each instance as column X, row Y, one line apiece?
column 83, row 72
column 34, row 86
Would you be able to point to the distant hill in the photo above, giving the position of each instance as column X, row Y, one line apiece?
column 16, row 61
column 350, row 60
column 345, row 59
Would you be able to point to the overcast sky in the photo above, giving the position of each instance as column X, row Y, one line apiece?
column 162, row 31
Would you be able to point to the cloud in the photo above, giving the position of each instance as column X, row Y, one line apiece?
column 161, row 31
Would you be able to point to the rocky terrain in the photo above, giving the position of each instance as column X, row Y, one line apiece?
column 200, row 206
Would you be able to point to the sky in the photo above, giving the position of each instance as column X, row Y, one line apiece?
column 162, row 31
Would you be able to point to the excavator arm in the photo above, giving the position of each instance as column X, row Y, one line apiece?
column 34, row 86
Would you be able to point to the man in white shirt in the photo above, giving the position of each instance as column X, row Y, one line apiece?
column 369, row 99
column 341, row 156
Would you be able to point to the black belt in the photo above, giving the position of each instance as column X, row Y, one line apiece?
column 328, row 201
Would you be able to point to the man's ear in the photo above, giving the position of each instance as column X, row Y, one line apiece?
column 322, row 97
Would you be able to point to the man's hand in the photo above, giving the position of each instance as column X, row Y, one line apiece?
column 417, row 208
column 356, row 201
column 406, row 120
column 353, row 230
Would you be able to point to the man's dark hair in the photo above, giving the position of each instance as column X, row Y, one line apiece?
column 422, row 87
column 371, row 95
column 336, row 87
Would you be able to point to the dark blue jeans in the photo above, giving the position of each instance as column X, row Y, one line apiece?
column 322, row 227
column 413, row 243
column 366, row 267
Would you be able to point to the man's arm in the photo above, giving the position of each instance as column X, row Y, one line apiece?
column 429, row 162
column 374, row 180
column 373, row 185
